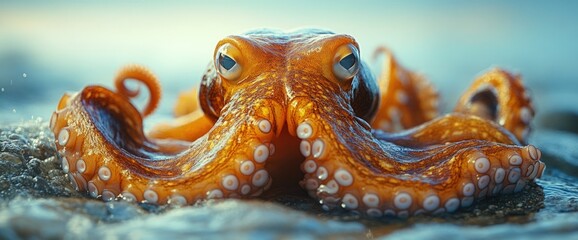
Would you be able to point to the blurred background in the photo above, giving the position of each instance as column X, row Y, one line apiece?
column 48, row 48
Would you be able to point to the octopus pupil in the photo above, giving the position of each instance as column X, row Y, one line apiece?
column 348, row 62
column 226, row 61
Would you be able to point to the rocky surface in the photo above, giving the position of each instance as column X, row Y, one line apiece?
column 38, row 202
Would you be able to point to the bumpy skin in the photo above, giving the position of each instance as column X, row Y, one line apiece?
column 288, row 95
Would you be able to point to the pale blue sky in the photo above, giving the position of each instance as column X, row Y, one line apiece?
column 63, row 46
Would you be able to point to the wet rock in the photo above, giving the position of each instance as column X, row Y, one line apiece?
column 562, row 226
column 28, row 163
column 9, row 157
column 228, row 219
column 232, row 219
column 559, row 150
column 37, row 201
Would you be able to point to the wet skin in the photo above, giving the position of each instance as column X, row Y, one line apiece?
column 282, row 109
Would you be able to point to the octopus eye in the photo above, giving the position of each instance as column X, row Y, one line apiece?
column 346, row 62
column 225, row 64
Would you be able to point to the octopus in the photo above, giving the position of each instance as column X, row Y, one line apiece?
column 301, row 110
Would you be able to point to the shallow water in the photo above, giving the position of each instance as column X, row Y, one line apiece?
column 48, row 49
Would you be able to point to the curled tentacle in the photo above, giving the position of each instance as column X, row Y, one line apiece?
column 144, row 76
column 407, row 98
column 500, row 97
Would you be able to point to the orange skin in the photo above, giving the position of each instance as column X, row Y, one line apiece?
column 286, row 113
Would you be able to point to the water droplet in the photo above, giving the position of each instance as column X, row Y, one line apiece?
column 2, row 89
column 13, row 110
column 24, row 75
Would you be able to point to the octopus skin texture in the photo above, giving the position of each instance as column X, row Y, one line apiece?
column 288, row 109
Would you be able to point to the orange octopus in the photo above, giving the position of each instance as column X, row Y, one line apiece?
column 279, row 109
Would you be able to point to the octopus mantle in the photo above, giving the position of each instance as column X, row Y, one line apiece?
column 280, row 109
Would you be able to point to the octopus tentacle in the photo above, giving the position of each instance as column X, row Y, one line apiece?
column 113, row 159
column 500, row 97
column 187, row 103
column 191, row 122
column 399, row 175
column 142, row 75
column 453, row 127
column 407, row 99
column 188, row 127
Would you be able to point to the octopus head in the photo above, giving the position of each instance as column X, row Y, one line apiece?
column 300, row 78
column 291, row 71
